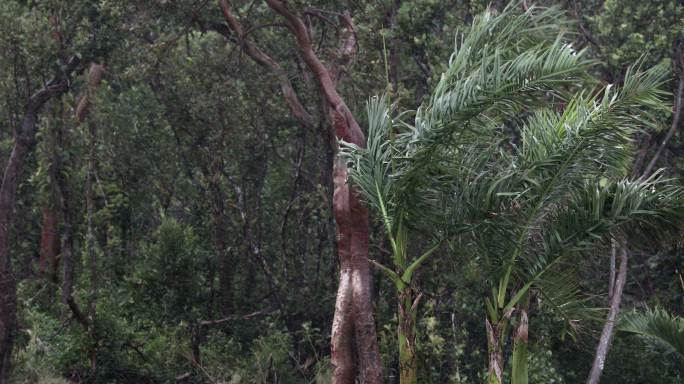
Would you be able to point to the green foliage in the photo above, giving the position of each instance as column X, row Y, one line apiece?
column 518, row 161
column 656, row 325
column 167, row 282
column 626, row 33
column 528, row 187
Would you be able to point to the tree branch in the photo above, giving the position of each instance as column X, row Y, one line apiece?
column 260, row 57
column 346, row 126
column 248, row 316
column 78, row 314
column 676, row 113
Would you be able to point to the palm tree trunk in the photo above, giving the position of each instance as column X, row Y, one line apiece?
column 495, row 353
column 519, row 360
column 607, row 332
column 408, row 364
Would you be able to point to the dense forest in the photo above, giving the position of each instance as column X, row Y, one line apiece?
column 228, row 191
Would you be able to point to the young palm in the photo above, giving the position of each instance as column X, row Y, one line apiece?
column 523, row 172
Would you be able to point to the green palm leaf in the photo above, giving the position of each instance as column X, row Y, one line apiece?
column 656, row 325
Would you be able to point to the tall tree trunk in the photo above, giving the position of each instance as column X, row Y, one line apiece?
column 95, row 74
column 342, row 341
column 352, row 217
column 49, row 234
column 23, row 142
column 607, row 332
column 223, row 261
column 346, row 128
column 49, row 241
column 8, row 294
column 91, row 252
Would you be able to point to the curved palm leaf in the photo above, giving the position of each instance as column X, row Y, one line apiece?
column 656, row 325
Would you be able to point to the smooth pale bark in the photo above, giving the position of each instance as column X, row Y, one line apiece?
column 342, row 341
column 607, row 332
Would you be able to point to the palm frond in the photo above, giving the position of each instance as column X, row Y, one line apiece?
column 592, row 136
column 596, row 211
column 656, row 325
column 370, row 167
column 505, row 63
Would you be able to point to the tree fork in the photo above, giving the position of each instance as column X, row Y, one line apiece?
column 347, row 129
column 354, row 297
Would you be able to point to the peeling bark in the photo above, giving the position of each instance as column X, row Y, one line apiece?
column 342, row 342
column 354, row 312
column 495, row 353
column 346, row 128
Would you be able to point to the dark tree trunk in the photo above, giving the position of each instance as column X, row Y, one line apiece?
column 224, row 264
column 49, row 242
column 23, row 142
column 8, row 288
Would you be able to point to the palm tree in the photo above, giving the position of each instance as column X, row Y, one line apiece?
column 658, row 326
column 514, row 161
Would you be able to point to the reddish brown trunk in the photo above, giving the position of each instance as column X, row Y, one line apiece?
column 356, row 216
column 49, row 243
column 342, row 342
column 370, row 369
column 353, row 315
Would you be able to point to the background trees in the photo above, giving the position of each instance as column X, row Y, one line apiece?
column 212, row 252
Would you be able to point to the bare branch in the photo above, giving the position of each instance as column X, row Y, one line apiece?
column 260, row 57
column 346, row 126
column 248, row 316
